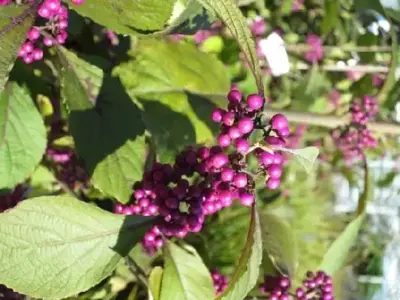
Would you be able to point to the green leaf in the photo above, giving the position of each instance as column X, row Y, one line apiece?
column 155, row 278
column 167, row 66
column 331, row 16
column 313, row 85
column 337, row 254
column 128, row 17
column 106, row 125
column 188, row 16
column 387, row 180
column 393, row 96
column 15, row 21
column 305, row 156
column 231, row 15
column 63, row 246
column 185, row 275
column 367, row 39
column 43, row 182
column 286, row 7
column 279, row 244
column 170, row 81
column 248, row 267
column 22, row 136
column 369, row 4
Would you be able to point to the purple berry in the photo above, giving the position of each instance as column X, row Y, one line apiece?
column 242, row 146
column 228, row 118
column 274, row 171
column 37, row 54
column 217, row 115
column 240, row 180
column 227, row 175
column 33, row 34
column 224, row 140
column 234, row 133
column 220, row 160
column 245, row 125
column 235, row 96
column 246, row 199
column 273, row 184
column 254, row 102
column 279, row 122
column 275, row 141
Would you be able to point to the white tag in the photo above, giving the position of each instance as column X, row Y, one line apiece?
column 273, row 48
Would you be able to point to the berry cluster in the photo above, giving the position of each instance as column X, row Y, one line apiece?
column 69, row 168
column 152, row 240
column 316, row 52
column 204, row 180
column 356, row 137
column 315, row 287
column 181, row 205
column 53, row 32
column 220, row 282
column 11, row 199
column 240, row 120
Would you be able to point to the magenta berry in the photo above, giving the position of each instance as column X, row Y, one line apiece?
column 255, row 102
column 235, row 96
column 224, row 140
column 217, row 115
column 234, row 132
column 242, row 146
column 228, row 118
column 240, row 180
column 220, row 160
column 245, row 125
column 274, row 171
column 227, row 174
column 246, row 199
column 273, row 183
column 33, row 34
column 279, row 122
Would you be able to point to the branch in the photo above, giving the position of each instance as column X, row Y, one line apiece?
column 300, row 48
column 356, row 68
column 329, row 121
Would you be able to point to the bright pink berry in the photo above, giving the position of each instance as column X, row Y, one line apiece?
column 227, row 175
column 228, row 118
column 235, row 96
column 234, row 132
column 63, row 24
column 275, row 141
column 224, row 140
column 44, row 12
column 48, row 41
column 240, row 180
column 217, row 115
column 273, row 184
column 37, row 54
column 274, row 171
column 279, row 122
column 255, row 102
column 246, row 199
column 220, row 160
column 27, row 47
column 33, row 34
column 245, row 125
column 52, row 5
column 242, row 146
